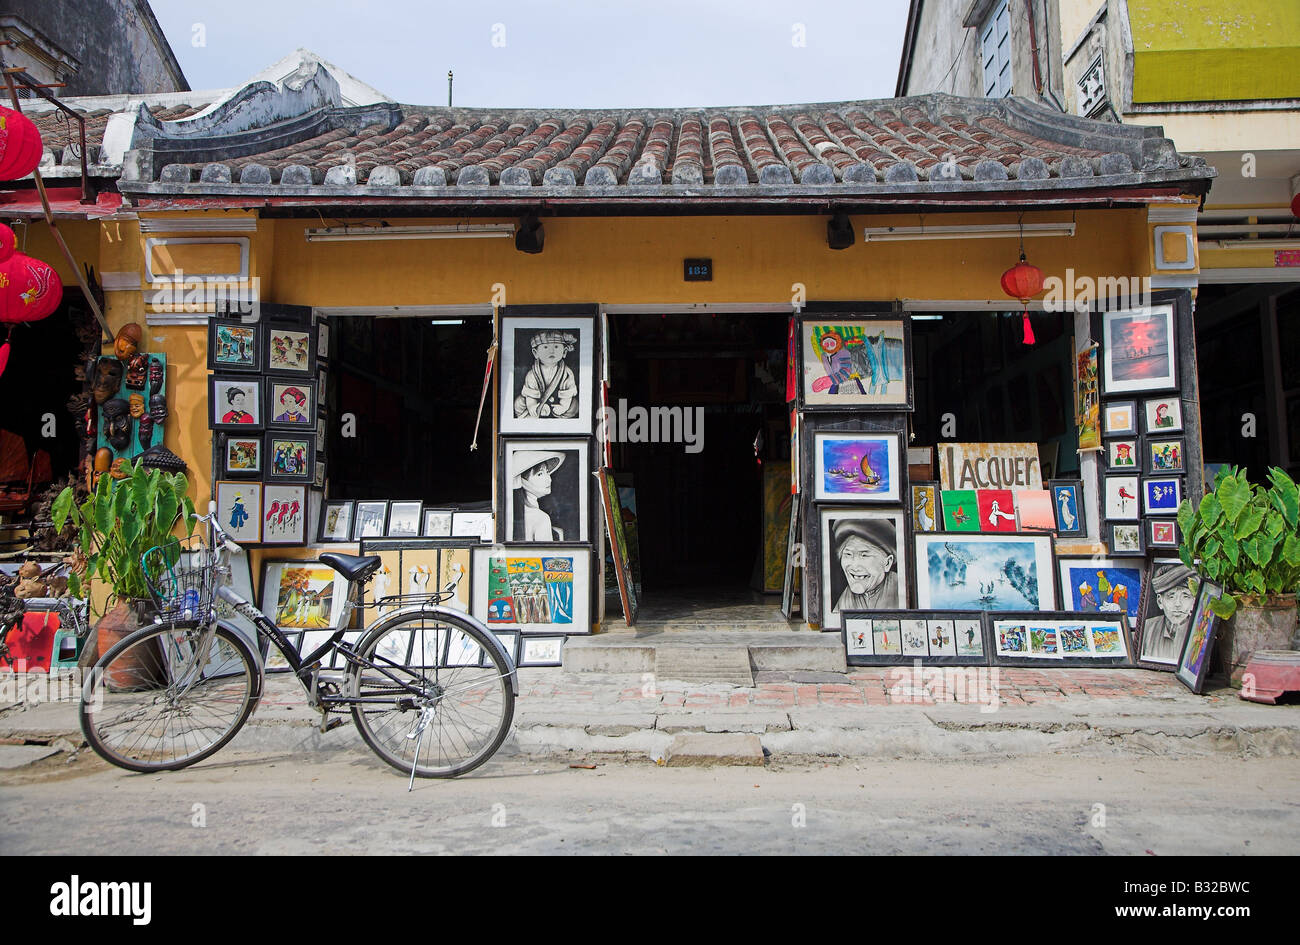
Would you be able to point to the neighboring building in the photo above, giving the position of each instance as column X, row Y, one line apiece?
column 92, row 47
column 1223, row 81
column 377, row 222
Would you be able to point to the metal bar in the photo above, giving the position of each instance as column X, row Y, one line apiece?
column 28, row 83
column 54, row 229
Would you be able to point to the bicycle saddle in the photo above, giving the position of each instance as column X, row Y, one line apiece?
column 352, row 567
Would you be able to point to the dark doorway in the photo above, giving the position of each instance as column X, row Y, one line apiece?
column 411, row 386
column 700, row 504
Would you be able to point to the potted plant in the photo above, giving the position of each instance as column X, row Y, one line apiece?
column 116, row 524
column 1247, row 538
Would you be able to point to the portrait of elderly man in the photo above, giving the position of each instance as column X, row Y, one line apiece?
column 1163, row 632
column 864, row 564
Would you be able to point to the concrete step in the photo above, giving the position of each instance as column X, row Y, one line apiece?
column 633, row 651
column 729, row 664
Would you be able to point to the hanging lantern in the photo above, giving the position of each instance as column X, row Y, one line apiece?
column 1023, row 281
column 20, row 145
column 8, row 243
column 29, row 291
column 1295, row 205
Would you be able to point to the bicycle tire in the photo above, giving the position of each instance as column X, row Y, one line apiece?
column 473, row 705
column 140, row 695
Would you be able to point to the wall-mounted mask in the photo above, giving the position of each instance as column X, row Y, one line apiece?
column 118, row 469
column 127, row 342
column 117, row 423
column 136, row 405
column 155, row 375
column 108, row 378
column 136, row 371
column 145, row 433
column 158, row 408
column 103, row 459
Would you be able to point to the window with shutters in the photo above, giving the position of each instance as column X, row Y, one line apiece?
column 995, row 51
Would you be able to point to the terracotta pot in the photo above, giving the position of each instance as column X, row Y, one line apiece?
column 1266, row 623
column 124, row 618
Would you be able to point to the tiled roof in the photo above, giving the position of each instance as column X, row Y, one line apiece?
column 60, row 135
column 938, row 141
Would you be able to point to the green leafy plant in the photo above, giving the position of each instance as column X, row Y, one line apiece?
column 122, row 519
column 1245, row 537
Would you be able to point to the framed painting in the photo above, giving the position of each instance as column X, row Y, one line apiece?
column 509, row 640
column 1059, row 638
column 303, row 595
column 546, row 488
column 239, row 510
column 541, row 651
column 288, row 457
column 1120, row 498
column 1161, row 495
column 1010, row 571
column 234, row 345
column 1035, row 510
column 960, row 510
column 1092, row 584
column 925, row 506
column 618, row 552
column 1163, row 414
column 1138, row 350
column 897, row 637
column 997, row 510
column 1194, row 662
column 436, row 523
column 1164, row 457
column 471, row 525
column 455, row 566
column 1172, row 589
column 863, row 561
column 285, row 519
column 336, row 520
column 858, row 467
column 1163, row 533
column 241, row 455
column 371, row 520
column 1126, row 539
column 857, row 362
column 1067, row 496
column 404, row 519
column 234, row 403
column 322, row 338
column 1122, row 455
column 535, row 589
column 290, row 349
column 546, row 379
column 291, row 405
column 1119, row 418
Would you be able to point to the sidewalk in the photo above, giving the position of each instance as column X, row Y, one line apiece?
column 866, row 713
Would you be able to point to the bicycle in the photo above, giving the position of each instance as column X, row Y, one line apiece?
column 430, row 689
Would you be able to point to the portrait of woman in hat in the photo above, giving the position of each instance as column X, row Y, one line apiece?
column 531, row 484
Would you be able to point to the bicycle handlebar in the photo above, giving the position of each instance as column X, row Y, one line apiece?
column 225, row 540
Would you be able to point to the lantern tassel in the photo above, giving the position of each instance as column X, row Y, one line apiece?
column 1029, row 329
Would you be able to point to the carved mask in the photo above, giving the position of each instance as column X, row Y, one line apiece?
column 136, row 370
column 155, row 375
column 127, row 342
column 117, row 423
column 136, row 408
column 108, row 378
column 145, row 434
column 103, row 459
column 158, row 408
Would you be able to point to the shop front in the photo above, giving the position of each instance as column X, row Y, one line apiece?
column 781, row 335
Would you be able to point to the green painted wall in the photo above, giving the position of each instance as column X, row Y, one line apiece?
column 1199, row 50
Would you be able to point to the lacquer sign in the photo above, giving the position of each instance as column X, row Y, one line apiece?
column 989, row 466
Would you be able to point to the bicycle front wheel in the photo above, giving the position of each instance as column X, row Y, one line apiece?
column 438, row 697
column 168, row 696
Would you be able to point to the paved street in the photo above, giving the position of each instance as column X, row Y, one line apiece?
column 350, row 803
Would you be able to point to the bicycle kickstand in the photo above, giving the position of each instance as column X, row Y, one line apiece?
column 418, row 734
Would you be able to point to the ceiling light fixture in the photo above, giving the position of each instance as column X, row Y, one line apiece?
column 965, row 231
column 453, row 231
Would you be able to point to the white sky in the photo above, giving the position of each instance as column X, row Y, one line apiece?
column 565, row 53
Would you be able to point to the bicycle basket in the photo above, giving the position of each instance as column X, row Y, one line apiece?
column 182, row 579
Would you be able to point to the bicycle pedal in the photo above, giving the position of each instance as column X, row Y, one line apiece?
column 327, row 724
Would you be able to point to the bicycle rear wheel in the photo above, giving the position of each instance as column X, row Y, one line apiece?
column 157, row 702
column 459, row 690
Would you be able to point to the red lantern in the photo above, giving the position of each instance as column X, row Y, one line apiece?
column 20, row 145
column 8, row 243
column 1023, row 281
column 1295, row 205
column 29, row 291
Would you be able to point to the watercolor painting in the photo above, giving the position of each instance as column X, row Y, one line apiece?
column 960, row 572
